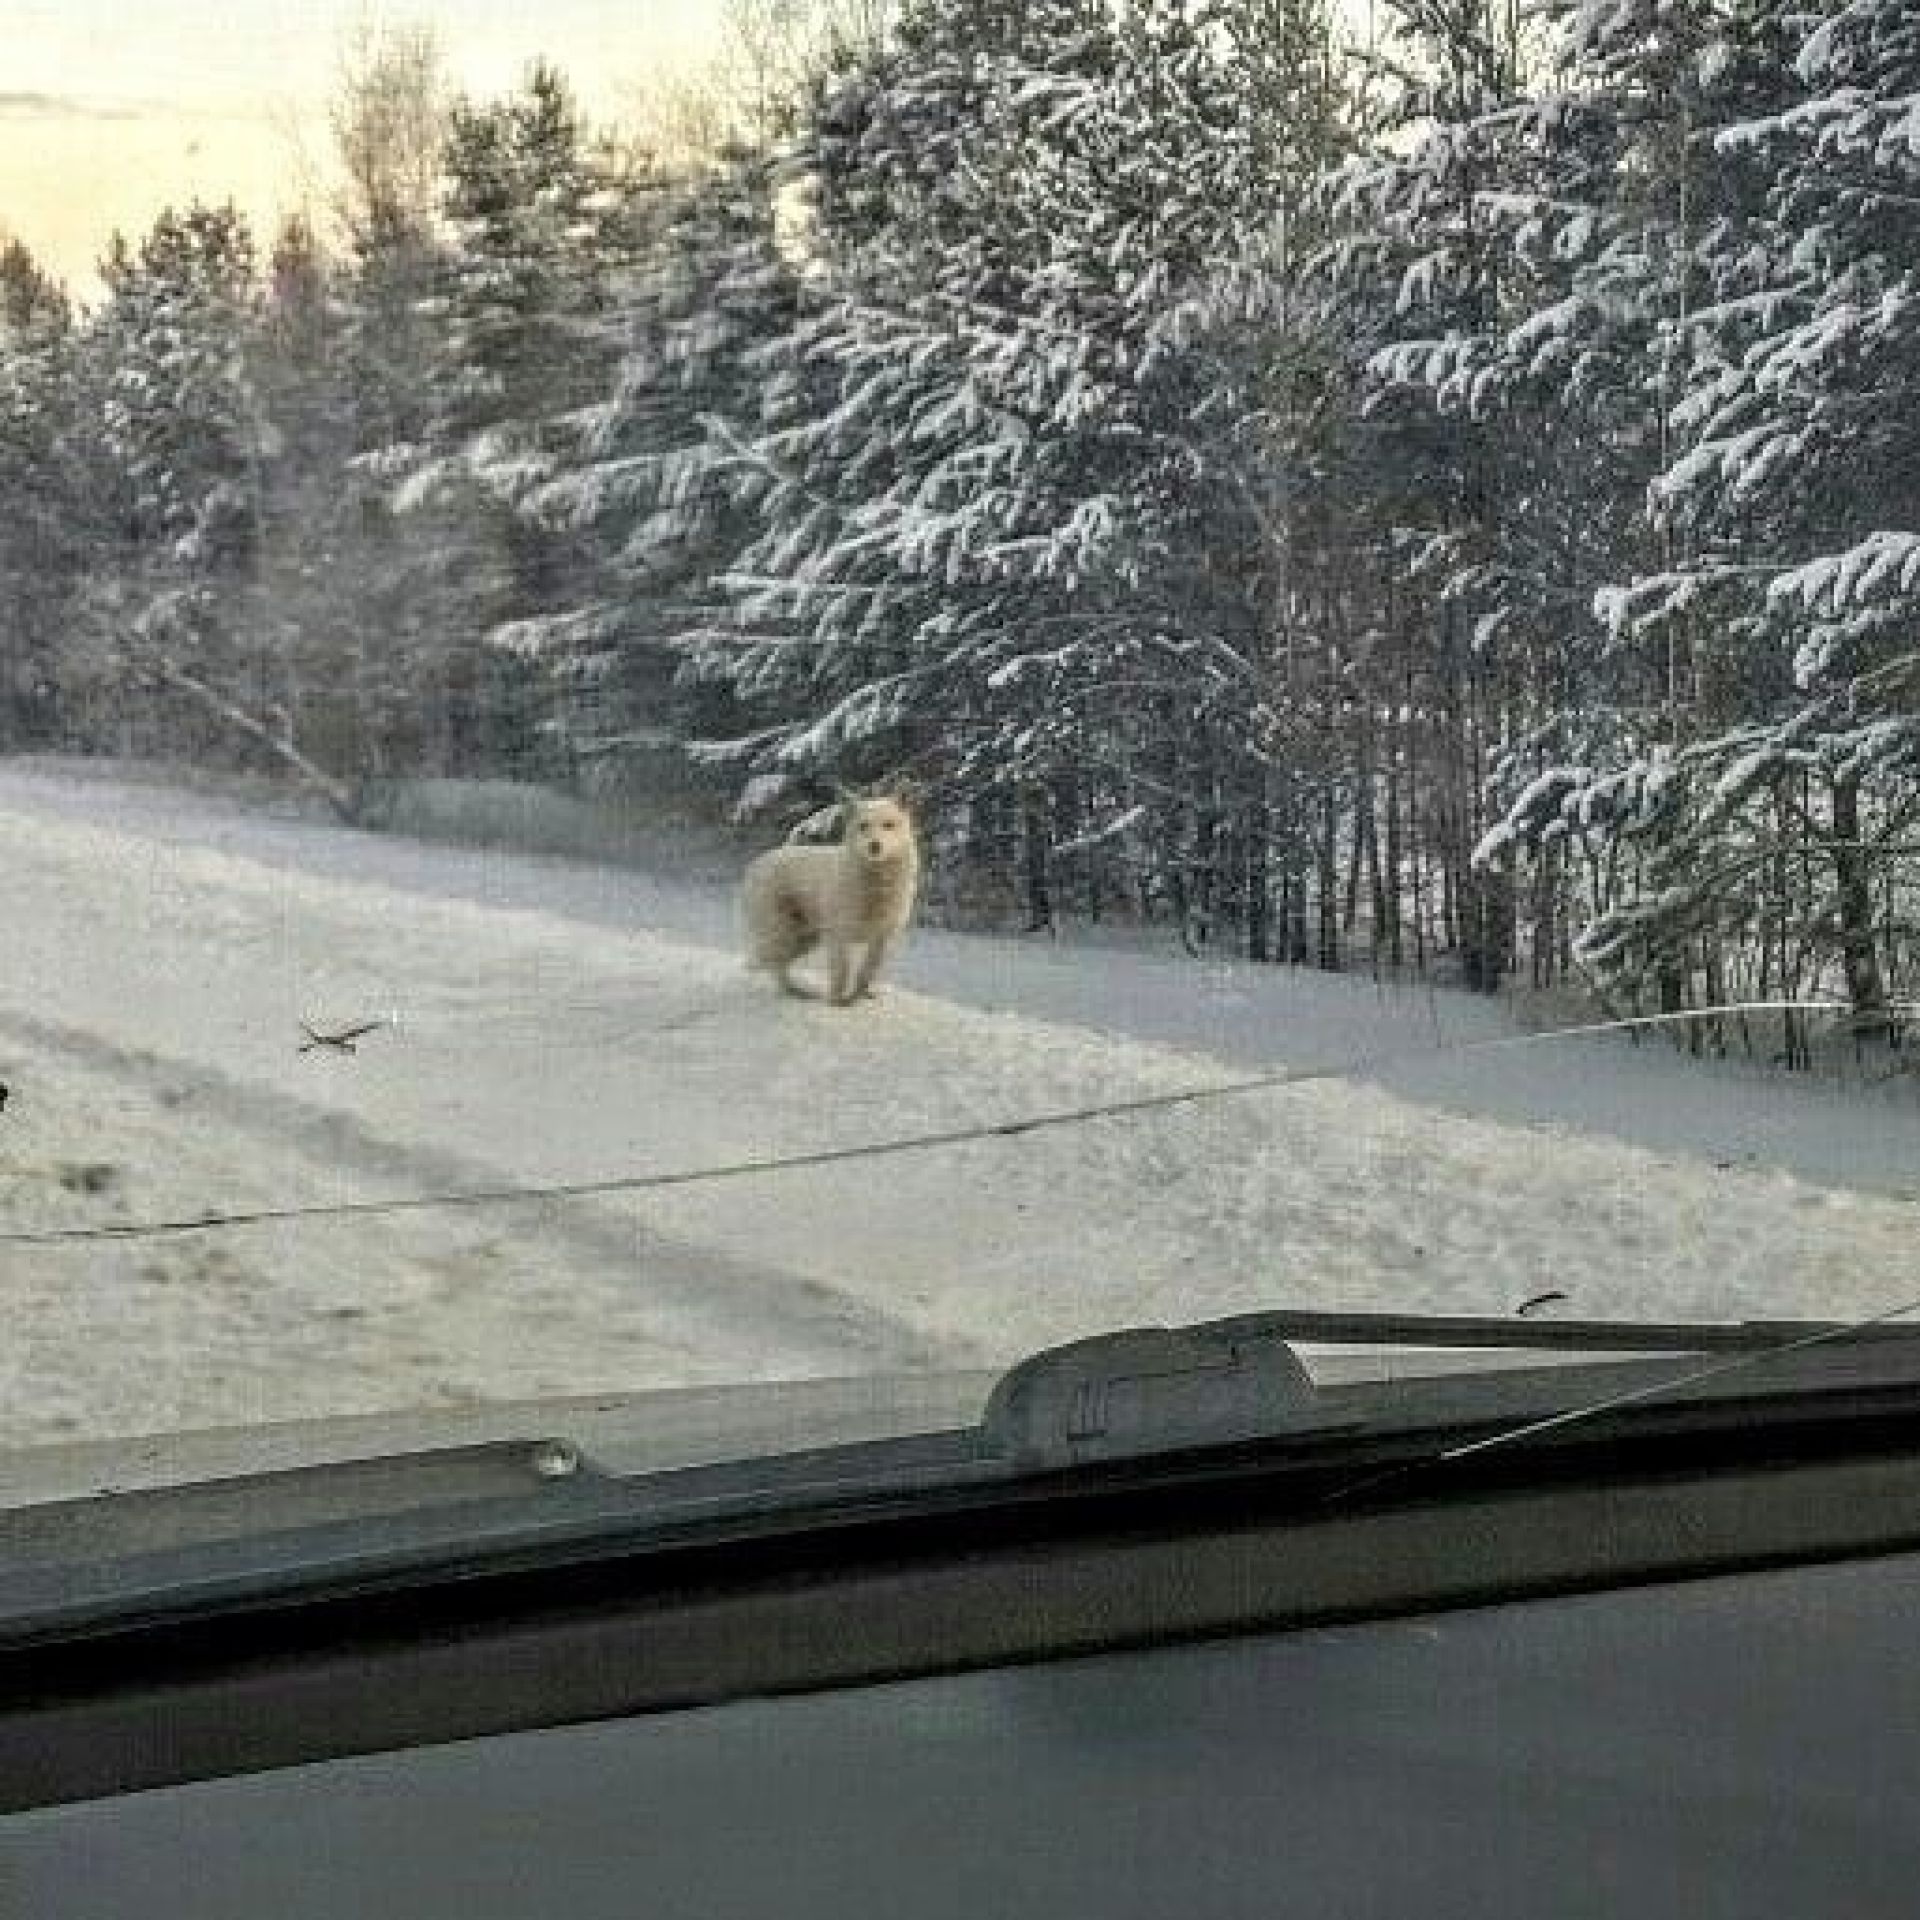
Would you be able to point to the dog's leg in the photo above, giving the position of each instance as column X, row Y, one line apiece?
column 870, row 965
column 840, row 974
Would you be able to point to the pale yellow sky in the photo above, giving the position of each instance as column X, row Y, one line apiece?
column 112, row 109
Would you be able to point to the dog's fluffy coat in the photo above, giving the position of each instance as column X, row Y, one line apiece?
column 855, row 895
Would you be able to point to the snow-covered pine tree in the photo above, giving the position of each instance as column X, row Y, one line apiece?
column 41, row 527
column 177, row 440
column 312, row 605
column 1800, row 424
column 1425, row 261
column 1243, row 380
column 703, row 286
column 1762, row 826
column 990, row 545
column 33, row 305
column 894, row 463
column 517, row 302
column 1597, row 203
column 423, row 590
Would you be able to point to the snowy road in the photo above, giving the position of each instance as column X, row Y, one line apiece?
column 563, row 1022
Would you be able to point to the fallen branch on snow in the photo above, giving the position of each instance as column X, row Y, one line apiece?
column 337, row 794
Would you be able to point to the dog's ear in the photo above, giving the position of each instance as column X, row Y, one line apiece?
column 909, row 792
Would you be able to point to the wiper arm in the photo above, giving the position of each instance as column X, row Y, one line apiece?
column 1125, row 1394
column 1124, row 1401
column 1433, row 1331
column 1155, row 1390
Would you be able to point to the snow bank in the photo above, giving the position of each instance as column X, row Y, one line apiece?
column 161, row 955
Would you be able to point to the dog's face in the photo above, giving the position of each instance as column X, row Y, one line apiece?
column 879, row 830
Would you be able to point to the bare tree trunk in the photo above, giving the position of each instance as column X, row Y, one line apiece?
column 1853, row 883
column 1034, row 849
column 1259, row 894
column 1356, row 867
column 1329, row 956
column 1390, row 890
column 1486, row 914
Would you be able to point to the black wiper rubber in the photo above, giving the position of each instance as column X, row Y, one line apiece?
column 1307, row 1328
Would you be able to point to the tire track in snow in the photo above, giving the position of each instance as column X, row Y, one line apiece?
column 709, row 1297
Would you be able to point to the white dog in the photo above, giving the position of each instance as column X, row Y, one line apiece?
column 858, row 893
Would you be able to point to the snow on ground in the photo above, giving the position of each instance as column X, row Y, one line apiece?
column 557, row 1021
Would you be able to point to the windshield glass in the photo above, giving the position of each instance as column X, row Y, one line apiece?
column 775, row 690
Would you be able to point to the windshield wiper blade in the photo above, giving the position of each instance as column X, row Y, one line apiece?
column 1433, row 1331
column 1118, row 1404
column 1156, row 1390
column 74, row 1567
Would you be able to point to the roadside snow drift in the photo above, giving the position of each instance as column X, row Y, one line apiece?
column 151, row 995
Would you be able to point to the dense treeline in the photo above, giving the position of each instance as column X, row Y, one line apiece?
column 1451, row 502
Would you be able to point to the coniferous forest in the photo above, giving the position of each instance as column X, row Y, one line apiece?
column 1436, row 492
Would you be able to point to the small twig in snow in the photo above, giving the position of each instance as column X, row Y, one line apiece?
column 344, row 1041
